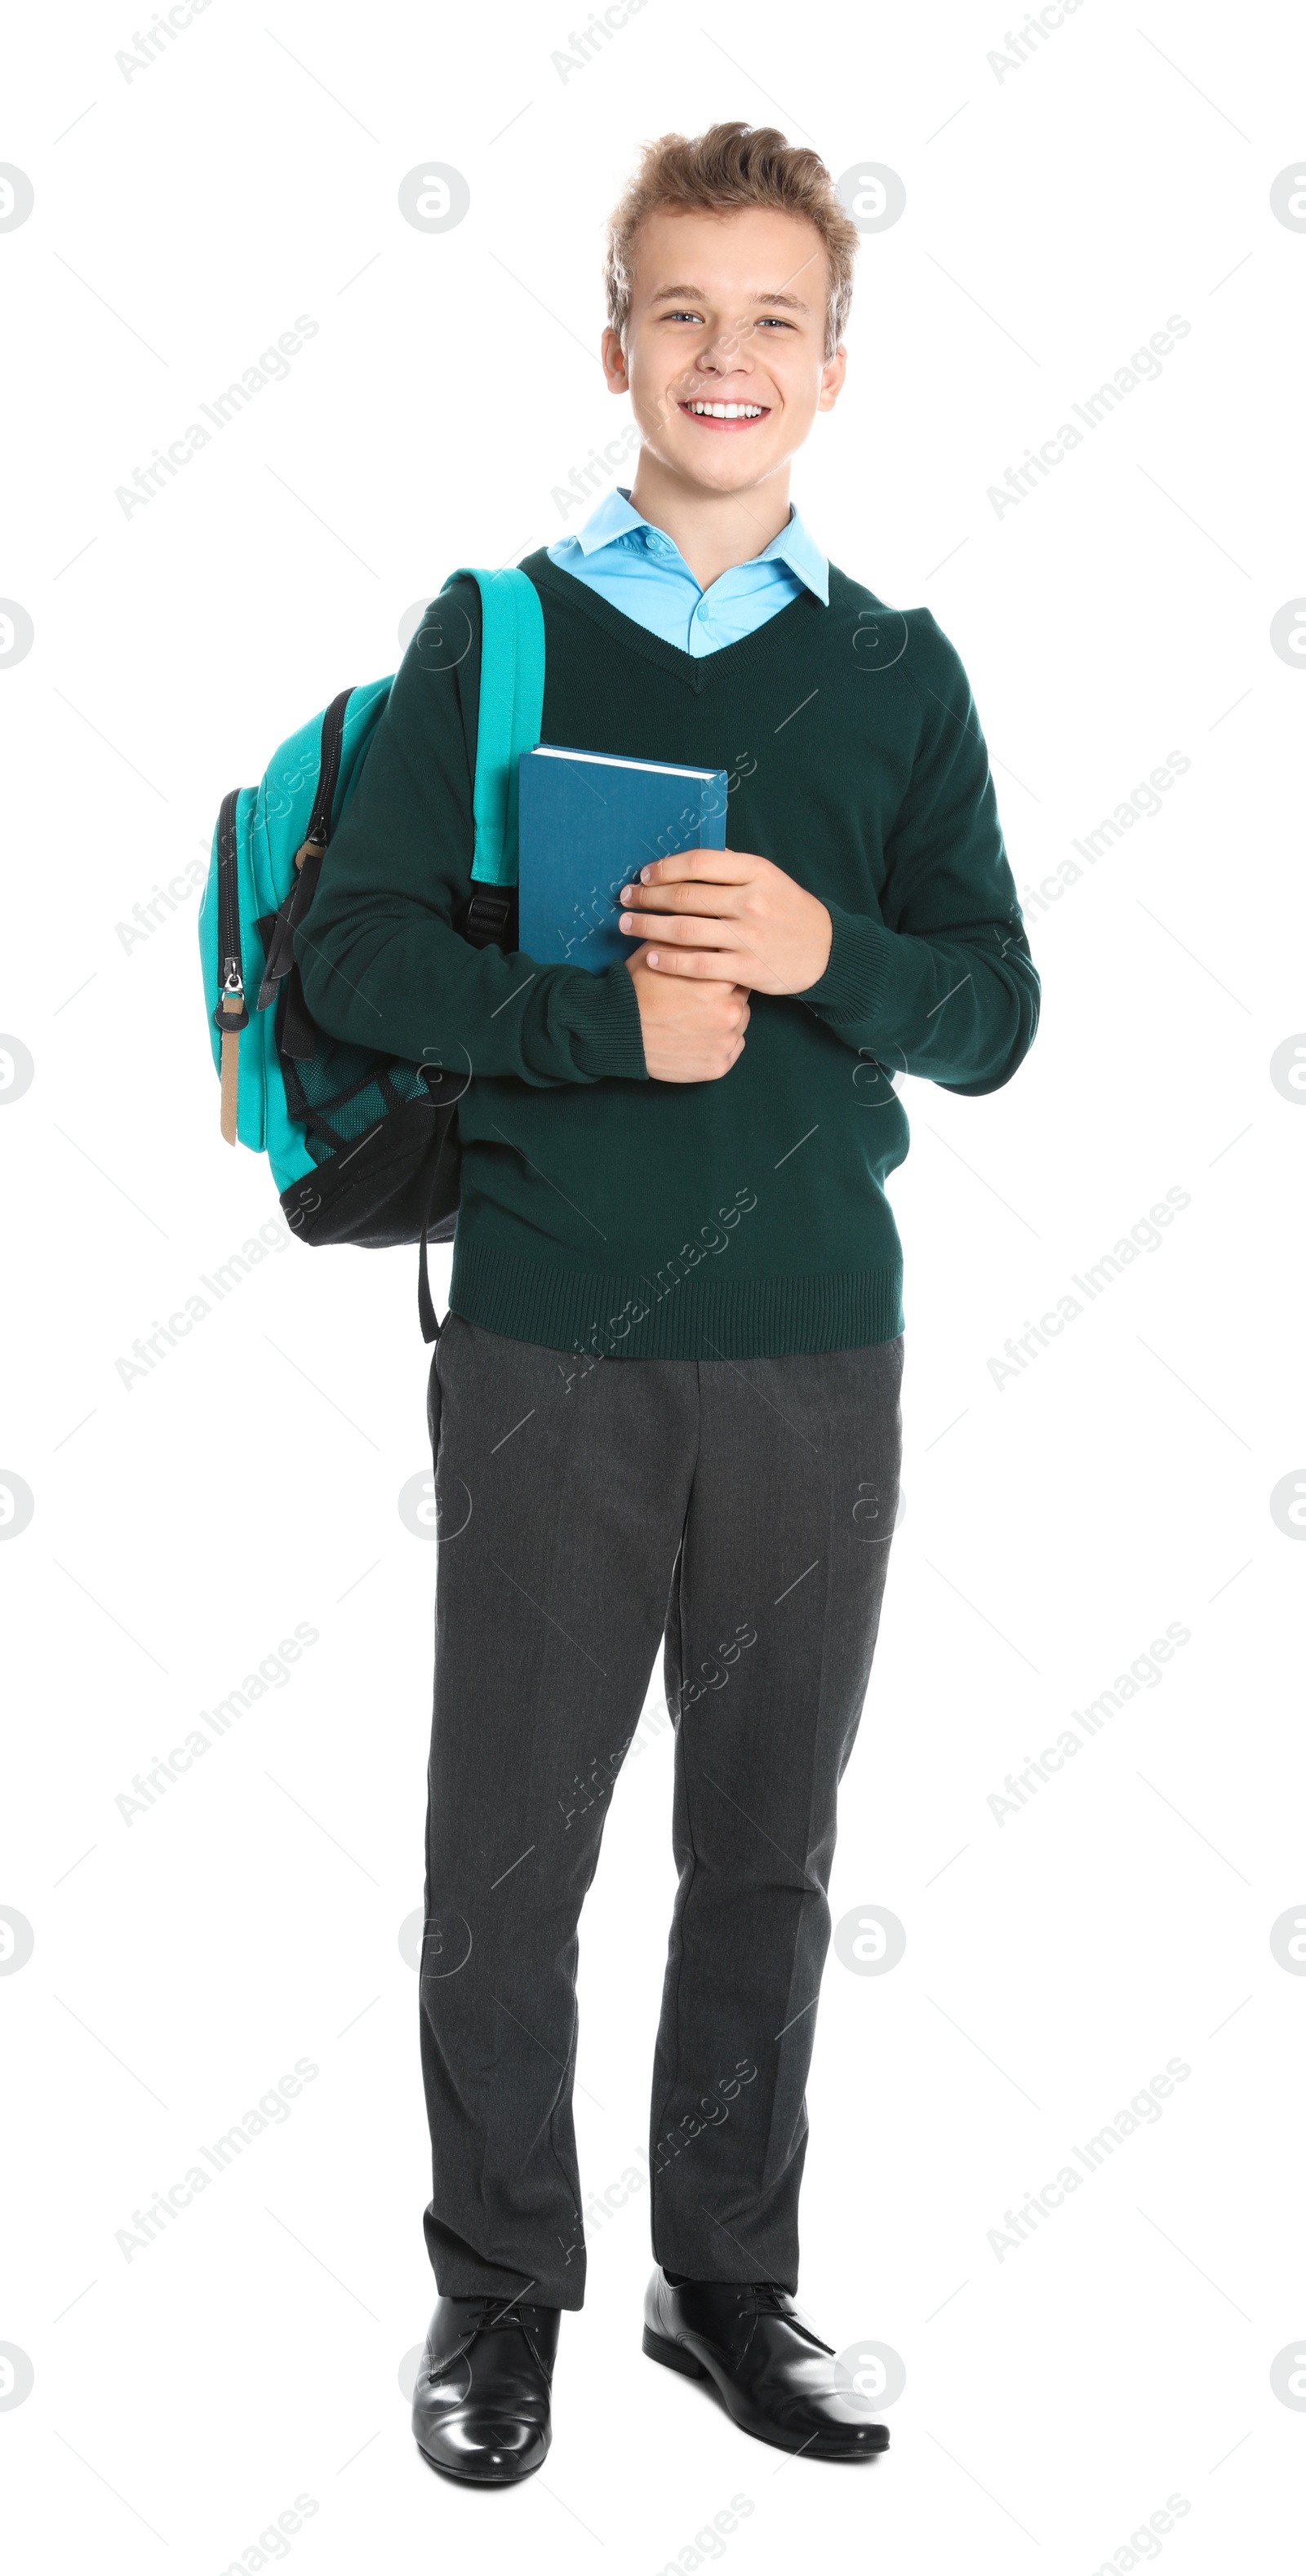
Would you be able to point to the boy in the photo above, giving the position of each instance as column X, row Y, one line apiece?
column 665, row 1402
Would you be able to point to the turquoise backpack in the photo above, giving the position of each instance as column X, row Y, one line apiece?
column 363, row 1147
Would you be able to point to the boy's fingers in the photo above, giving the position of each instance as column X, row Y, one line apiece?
column 684, row 929
column 720, row 867
column 651, row 904
column 706, row 965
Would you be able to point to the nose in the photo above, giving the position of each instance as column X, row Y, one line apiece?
column 723, row 355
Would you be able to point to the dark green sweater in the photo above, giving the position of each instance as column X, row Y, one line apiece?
column 604, row 1211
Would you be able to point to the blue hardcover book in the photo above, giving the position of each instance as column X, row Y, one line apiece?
column 587, row 823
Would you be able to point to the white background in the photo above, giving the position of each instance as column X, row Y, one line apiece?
column 1055, row 217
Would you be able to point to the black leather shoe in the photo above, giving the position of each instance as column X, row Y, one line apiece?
column 481, row 2405
column 770, row 2370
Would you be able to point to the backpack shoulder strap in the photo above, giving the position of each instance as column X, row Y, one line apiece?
column 509, row 714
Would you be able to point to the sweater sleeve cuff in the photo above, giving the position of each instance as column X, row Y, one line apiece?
column 604, row 1013
column 858, row 972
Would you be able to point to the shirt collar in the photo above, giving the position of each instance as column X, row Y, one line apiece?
column 794, row 546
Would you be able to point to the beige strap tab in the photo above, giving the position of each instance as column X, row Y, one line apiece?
column 230, row 1082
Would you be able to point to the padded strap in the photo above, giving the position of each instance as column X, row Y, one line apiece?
column 510, row 711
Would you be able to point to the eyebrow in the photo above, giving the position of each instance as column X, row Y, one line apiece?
column 793, row 303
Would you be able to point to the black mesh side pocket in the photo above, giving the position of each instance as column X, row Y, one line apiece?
column 383, row 1135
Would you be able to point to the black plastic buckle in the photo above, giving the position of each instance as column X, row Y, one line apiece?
column 487, row 915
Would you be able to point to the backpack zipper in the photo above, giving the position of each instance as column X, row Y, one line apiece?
column 308, row 857
column 231, row 1015
column 333, row 733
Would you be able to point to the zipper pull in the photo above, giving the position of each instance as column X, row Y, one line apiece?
column 231, row 1016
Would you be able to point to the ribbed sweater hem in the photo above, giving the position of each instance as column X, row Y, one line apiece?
column 699, row 1317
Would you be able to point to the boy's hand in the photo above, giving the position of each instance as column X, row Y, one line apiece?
column 692, row 1032
column 728, row 913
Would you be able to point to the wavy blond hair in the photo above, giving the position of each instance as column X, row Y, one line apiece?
column 716, row 173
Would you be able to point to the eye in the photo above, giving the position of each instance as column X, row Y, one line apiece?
column 682, row 317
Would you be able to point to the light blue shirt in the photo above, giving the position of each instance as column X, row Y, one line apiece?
column 642, row 572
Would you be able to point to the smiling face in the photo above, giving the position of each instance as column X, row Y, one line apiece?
column 725, row 359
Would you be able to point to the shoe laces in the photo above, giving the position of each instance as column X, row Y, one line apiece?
column 494, row 2311
column 769, row 2297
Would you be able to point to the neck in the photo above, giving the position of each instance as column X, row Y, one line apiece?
column 712, row 529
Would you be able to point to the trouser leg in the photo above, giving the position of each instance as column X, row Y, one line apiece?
column 559, row 1508
column 769, row 1640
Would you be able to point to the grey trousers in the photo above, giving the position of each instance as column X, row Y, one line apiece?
column 740, row 1513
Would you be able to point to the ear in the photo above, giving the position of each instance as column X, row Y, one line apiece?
column 832, row 376
column 614, row 363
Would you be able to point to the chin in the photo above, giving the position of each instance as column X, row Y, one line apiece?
column 727, row 469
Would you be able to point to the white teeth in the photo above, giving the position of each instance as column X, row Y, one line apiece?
column 727, row 411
